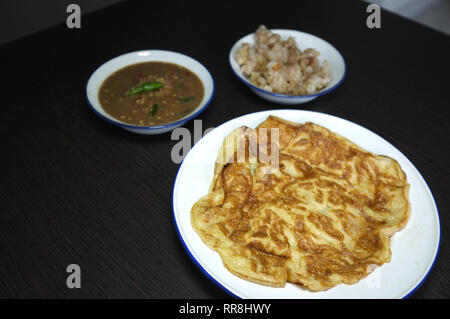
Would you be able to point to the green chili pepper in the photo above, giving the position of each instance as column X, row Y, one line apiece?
column 148, row 86
column 153, row 110
column 185, row 99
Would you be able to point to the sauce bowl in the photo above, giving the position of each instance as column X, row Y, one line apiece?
column 104, row 71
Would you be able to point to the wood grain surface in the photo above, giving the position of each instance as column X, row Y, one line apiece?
column 75, row 189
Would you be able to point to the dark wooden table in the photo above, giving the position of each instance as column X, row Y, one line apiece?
column 75, row 189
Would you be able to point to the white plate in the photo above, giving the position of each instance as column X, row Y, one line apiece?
column 414, row 248
column 303, row 40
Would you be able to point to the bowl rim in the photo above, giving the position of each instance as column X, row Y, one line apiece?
column 287, row 96
column 156, row 127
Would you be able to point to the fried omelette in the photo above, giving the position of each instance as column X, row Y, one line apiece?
column 322, row 217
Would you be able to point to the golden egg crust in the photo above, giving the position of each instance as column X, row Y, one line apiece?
column 323, row 216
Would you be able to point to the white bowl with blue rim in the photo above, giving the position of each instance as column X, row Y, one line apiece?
column 113, row 65
column 303, row 41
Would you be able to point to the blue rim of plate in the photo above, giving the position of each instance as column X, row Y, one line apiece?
column 409, row 294
column 217, row 283
column 149, row 128
column 203, row 270
column 286, row 96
